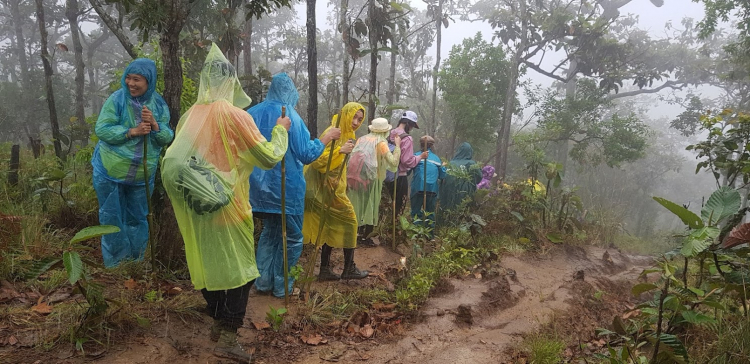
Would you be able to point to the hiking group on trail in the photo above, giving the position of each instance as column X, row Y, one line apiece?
column 224, row 163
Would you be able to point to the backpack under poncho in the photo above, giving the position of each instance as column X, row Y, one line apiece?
column 363, row 162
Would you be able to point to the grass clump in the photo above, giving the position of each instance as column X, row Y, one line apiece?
column 544, row 349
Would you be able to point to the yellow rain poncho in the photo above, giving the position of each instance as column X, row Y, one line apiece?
column 340, row 229
column 206, row 171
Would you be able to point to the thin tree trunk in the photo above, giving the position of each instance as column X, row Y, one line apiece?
column 312, row 70
column 391, row 95
column 170, row 47
column 570, row 95
column 96, row 99
column 373, row 35
column 247, row 48
column 114, row 27
column 48, row 81
column 438, row 41
column 31, row 127
column 344, row 28
column 71, row 12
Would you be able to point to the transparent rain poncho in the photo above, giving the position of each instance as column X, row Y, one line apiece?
column 206, row 171
column 329, row 192
column 365, row 174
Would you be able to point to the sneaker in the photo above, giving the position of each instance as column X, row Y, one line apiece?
column 326, row 274
column 229, row 348
column 351, row 272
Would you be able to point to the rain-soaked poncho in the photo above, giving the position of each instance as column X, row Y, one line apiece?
column 365, row 183
column 487, row 173
column 340, row 229
column 265, row 186
column 206, row 173
column 461, row 179
column 118, row 164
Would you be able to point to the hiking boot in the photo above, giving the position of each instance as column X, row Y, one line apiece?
column 215, row 331
column 326, row 274
column 351, row 272
column 229, row 348
column 367, row 243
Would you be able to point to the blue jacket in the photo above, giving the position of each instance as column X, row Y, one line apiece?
column 435, row 172
column 265, row 186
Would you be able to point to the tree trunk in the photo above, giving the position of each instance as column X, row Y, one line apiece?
column 48, row 81
column 31, row 127
column 438, row 41
column 170, row 48
column 344, row 28
column 503, row 132
column 391, row 95
column 71, row 12
column 373, row 35
column 247, row 48
column 312, row 70
column 96, row 99
column 114, row 27
column 570, row 95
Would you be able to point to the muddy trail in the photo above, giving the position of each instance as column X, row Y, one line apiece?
column 478, row 318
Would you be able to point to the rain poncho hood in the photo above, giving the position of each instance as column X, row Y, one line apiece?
column 117, row 157
column 340, row 228
column 365, row 174
column 487, row 173
column 265, row 186
column 206, row 172
column 464, row 153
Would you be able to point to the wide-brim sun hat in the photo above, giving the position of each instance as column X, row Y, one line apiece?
column 380, row 125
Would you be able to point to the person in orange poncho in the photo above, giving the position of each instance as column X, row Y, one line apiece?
column 325, row 198
column 206, row 175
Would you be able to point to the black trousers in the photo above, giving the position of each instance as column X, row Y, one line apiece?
column 228, row 306
column 402, row 191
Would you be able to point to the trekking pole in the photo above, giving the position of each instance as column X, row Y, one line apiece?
column 283, row 222
column 424, row 183
column 314, row 258
column 150, row 215
column 394, row 210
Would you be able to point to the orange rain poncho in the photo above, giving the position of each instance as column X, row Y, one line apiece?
column 340, row 229
column 206, row 174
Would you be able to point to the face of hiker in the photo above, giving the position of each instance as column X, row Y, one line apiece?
column 137, row 84
column 357, row 119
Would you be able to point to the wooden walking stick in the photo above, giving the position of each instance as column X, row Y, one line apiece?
column 424, row 183
column 150, row 215
column 283, row 222
column 394, row 210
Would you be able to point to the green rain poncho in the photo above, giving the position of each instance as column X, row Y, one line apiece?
column 365, row 188
column 461, row 181
column 206, row 171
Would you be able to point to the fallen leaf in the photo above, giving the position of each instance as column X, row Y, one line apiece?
column 366, row 331
column 261, row 325
column 478, row 275
column 12, row 340
column 314, row 339
column 42, row 308
column 131, row 284
column 174, row 291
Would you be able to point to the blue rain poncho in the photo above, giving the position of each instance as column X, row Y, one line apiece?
column 118, row 164
column 435, row 172
column 461, row 179
column 265, row 185
column 206, row 174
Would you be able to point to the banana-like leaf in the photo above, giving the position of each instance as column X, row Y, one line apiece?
column 696, row 318
column 40, row 266
column 642, row 287
column 723, row 203
column 94, row 232
column 688, row 218
column 73, row 266
column 698, row 241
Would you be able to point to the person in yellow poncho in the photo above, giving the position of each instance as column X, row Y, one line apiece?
column 325, row 198
column 206, row 175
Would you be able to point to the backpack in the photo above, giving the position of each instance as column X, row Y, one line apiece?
column 363, row 164
column 391, row 176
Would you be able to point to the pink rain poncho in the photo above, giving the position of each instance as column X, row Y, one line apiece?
column 206, row 174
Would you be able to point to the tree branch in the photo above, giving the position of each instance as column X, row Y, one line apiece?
column 114, row 28
column 545, row 73
column 669, row 84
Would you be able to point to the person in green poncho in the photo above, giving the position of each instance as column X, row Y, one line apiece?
column 365, row 174
column 461, row 180
column 206, row 175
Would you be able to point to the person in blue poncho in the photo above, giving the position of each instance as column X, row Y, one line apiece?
column 132, row 115
column 265, row 185
column 435, row 171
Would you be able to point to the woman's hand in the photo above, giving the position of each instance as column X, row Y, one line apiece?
column 148, row 117
column 285, row 122
column 144, row 128
column 347, row 147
